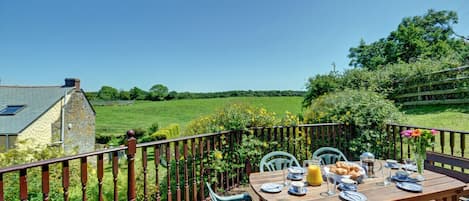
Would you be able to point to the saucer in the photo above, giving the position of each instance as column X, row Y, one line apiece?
column 291, row 191
column 344, row 187
column 271, row 187
column 296, row 170
column 408, row 186
column 352, row 196
column 295, row 177
column 407, row 179
column 392, row 166
column 410, row 167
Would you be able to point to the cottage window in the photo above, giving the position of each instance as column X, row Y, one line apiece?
column 11, row 109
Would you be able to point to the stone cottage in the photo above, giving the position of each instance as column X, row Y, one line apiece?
column 47, row 115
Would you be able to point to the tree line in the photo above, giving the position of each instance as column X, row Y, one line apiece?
column 160, row 92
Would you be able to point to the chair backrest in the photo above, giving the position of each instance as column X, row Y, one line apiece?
column 328, row 155
column 278, row 160
column 213, row 195
column 448, row 160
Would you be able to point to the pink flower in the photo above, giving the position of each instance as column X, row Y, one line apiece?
column 434, row 132
column 406, row 133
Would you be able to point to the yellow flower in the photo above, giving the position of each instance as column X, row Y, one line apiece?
column 218, row 155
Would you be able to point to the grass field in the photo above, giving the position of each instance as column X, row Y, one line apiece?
column 118, row 119
column 448, row 117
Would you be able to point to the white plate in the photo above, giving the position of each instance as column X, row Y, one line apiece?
column 352, row 196
column 409, row 186
column 271, row 187
column 290, row 190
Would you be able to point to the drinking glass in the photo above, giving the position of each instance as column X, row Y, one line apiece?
column 386, row 172
column 409, row 164
column 286, row 183
column 330, row 177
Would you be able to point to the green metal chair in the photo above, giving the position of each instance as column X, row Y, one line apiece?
column 238, row 197
column 278, row 160
column 329, row 155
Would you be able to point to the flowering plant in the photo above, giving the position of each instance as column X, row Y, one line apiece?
column 419, row 140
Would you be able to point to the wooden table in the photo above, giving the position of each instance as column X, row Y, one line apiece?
column 435, row 187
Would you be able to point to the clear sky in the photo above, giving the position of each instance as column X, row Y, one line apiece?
column 193, row 45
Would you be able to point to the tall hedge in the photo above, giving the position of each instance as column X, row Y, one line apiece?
column 367, row 111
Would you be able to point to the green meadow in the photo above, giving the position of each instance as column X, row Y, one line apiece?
column 117, row 119
column 112, row 120
column 448, row 117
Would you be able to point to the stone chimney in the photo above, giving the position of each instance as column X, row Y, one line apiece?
column 73, row 82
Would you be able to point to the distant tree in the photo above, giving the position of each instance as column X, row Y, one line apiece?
column 108, row 93
column 171, row 95
column 124, row 95
column 158, row 92
column 428, row 36
column 137, row 94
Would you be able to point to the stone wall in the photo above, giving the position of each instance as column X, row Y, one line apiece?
column 79, row 124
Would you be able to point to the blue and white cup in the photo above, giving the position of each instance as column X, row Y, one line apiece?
column 297, row 186
column 402, row 174
column 349, row 183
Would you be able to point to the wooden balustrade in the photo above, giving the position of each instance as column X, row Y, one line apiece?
column 449, row 142
column 187, row 163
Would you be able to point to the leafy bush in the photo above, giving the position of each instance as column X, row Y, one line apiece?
column 232, row 117
column 154, row 127
column 367, row 111
column 319, row 85
column 172, row 131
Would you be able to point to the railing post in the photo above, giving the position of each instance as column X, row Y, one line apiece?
column 131, row 149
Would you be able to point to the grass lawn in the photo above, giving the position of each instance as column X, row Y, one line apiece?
column 447, row 117
column 118, row 119
column 443, row 117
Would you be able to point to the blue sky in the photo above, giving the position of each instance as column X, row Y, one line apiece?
column 198, row 46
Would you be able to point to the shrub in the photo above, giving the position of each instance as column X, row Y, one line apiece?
column 320, row 84
column 232, row 117
column 154, row 127
column 172, row 131
column 367, row 111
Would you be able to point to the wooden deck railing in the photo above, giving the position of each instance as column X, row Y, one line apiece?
column 176, row 169
column 450, row 142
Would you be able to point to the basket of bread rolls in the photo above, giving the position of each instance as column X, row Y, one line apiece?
column 342, row 169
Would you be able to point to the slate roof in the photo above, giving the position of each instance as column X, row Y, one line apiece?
column 38, row 100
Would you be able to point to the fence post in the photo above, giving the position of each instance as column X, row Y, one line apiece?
column 131, row 149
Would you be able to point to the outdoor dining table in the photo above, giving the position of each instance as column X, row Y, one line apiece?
column 435, row 187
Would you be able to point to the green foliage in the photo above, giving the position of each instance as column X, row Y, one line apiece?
column 158, row 92
column 154, row 127
column 232, row 117
column 137, row 94
column 367, row 111
column 172, row 131
column 428, row 36
column 319, row 85
column 124, row 95
column 108, row 93
column 386, row 81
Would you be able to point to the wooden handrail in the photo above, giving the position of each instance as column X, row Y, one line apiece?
column 59, row 160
